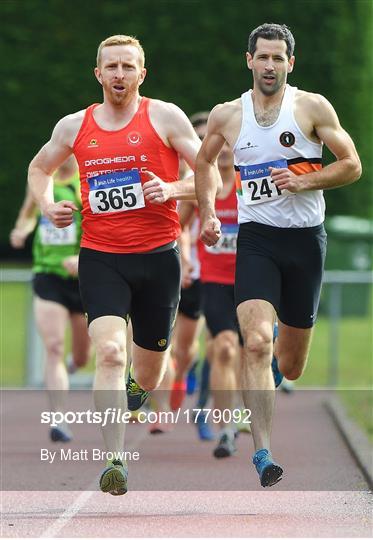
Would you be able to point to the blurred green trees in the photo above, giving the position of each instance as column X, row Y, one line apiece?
column 195, row 58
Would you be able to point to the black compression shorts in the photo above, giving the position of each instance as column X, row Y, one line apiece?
column 190, row 301
column 145, row 287
column 64, row 291
column 219, row 308
column 282, row 266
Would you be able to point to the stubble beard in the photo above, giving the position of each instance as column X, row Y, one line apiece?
column 121, row 99
column 272, row 90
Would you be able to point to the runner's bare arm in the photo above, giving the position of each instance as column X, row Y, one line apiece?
column 184, row 242
column 206, row 182
column 25, row 223
column 175, row 129
column 41, row 168
column 186, row 211
column 345, row 170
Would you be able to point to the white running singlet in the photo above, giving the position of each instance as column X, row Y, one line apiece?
column 280, row 145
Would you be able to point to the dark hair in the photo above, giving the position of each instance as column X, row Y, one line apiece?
column 199, row 118
column 272, row 31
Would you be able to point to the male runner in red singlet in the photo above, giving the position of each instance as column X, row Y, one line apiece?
column 127, row 149
column 276, row 133
column 189, row 317
column 218, row 264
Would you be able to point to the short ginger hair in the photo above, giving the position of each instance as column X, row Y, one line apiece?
column 120, row 39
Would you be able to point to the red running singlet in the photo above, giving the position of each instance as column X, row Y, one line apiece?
column 116, row 216
column 218, row 262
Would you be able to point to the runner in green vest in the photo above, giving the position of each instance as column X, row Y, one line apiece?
column 56, row 287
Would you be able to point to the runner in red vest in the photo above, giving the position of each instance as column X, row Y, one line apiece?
column 127, row 149
column 218, row 264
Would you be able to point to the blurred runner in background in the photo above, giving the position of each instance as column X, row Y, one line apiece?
column 57, row 300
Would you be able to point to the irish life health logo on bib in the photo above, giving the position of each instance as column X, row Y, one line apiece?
column 116, row 192
column 257, row 184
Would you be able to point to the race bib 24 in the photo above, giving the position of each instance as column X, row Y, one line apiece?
column 257, row 184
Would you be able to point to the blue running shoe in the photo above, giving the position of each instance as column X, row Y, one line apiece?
column 277, row 375
column 269, row 472
column 60, row 435
column 275, row 331
column 191, row 381
column 136, row 396
column 114, row 478
column 205, row 432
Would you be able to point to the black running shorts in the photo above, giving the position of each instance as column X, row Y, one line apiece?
column 282, row 266
column 64, row 291
column 219, row 308
column 145, row 287
column 190, row 301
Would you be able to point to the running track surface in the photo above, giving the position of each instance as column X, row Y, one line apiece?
column 305, row 442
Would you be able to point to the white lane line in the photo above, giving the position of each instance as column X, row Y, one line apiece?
column 79, row 502
column 69, row 513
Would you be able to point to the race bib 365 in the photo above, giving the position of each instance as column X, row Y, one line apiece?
column 116, row 192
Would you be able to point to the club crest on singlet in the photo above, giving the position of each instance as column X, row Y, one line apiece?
column 227, row 242
column 116, row 192
column 134, row 138
column 53, row 236
column 257, row 184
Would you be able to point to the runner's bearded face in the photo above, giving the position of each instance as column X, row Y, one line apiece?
column 120, row 73
column 270, row 65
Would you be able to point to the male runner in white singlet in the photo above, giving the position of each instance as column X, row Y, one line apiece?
column 276, row 132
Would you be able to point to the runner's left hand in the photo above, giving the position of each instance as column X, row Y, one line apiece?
column 156, row 191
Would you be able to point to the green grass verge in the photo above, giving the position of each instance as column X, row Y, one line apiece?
column 355, row 352
column 355, row 368
column 359, row 406
column 15, row 305
column 15, row 300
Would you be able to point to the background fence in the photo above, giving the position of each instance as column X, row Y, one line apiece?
column 24, row 365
